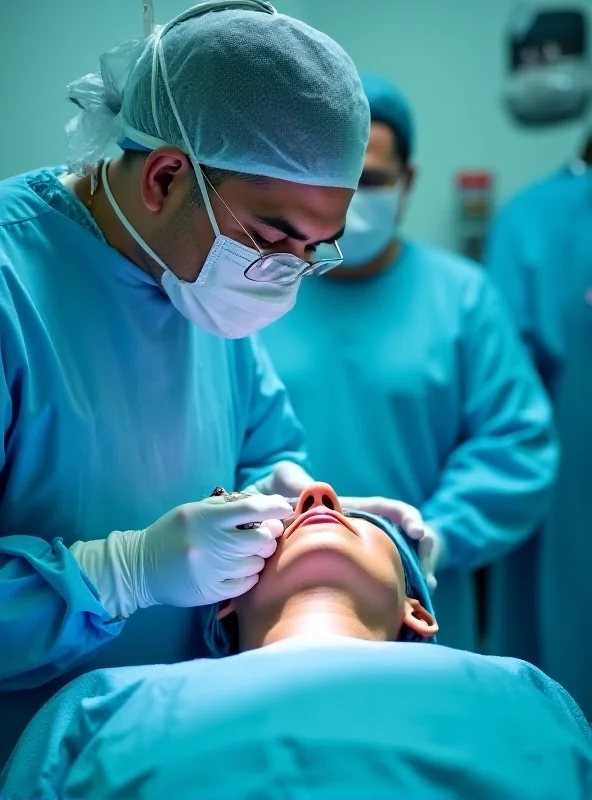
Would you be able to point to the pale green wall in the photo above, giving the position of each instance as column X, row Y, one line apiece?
column 448, row 57
column 446, row 54
column 45, row 44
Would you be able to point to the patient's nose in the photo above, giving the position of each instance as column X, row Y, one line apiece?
column 318, row 494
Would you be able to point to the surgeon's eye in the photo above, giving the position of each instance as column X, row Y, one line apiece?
column 263, row 243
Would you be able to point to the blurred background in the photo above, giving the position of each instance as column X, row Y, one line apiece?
column 448, row 57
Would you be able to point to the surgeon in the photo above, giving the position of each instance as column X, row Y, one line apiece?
column 540, row 254
column 410, row 381
column 335, row 690
column 129, row 386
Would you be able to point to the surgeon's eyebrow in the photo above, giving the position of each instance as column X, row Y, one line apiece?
column 285, row 226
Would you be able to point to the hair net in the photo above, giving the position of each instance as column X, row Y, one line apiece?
column 388, row 105
column 256, row 92
column 415, row 586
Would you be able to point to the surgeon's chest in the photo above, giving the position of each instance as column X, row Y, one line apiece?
column 122, row 416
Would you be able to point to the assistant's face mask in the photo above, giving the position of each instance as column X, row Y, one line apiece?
column 549, row 69
column 371, row 224
column 543, row 95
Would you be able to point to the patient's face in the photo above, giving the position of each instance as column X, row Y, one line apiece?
column 323, row 549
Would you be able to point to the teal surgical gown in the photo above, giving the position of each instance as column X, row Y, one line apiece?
column 413, row 384
column 541, row 256
column 342, row 720
column 114, row 409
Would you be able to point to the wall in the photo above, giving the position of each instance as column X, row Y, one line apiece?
column 43, row 46
column 447, row 56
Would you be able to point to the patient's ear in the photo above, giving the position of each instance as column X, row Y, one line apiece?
column 418, row 619
column 230, row 608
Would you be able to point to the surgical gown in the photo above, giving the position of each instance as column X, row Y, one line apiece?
column 413, row 384
column 114, row 409
column 341, row 720
column 541, row 256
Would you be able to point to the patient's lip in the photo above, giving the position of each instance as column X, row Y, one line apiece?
column 321, row 516
column 318, row 515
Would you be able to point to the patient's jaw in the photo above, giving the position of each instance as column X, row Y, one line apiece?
column 330, row 575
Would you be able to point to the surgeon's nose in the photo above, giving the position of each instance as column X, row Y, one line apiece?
column 318, row 494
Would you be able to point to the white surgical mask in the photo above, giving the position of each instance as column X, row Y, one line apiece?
column 551, row 93
column 371, row 224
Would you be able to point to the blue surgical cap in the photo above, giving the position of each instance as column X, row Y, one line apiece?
column 415, row 586
column 389, row 105
column 257, row 93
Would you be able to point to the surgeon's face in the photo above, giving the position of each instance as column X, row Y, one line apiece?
column 279, row 216
column 321, row 548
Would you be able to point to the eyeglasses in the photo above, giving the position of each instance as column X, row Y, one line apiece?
column 284, row 268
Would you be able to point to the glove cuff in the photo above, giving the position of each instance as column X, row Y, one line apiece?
column 114, row 566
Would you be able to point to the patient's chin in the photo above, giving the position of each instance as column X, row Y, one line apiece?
column 326, row 558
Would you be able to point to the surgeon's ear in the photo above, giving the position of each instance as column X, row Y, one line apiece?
column 227, row 610
column 418, row 619
column 165, row 169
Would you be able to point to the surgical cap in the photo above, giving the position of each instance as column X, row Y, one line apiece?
column 415, row 586
column 257, row 93
column 388, row 105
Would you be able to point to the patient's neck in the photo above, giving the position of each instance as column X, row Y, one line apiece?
column 313, row 614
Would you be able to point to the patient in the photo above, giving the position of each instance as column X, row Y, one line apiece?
column 335, row 689
column 334, row 575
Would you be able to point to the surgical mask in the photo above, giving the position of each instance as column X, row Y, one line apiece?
column 222, row 301
column 542, row 95
column 371, row 224
column 550, row 75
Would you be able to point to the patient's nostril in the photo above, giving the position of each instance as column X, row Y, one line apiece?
column 308, row 503
column 328, row 502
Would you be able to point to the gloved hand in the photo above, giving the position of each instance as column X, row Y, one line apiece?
column 287, row 479
column 430, row 551
column 192, row 556
column 402, row 514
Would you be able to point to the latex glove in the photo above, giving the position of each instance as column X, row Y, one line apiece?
column 402, row 514
column 192, row 556
column 287, row 479
column 430, row 551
